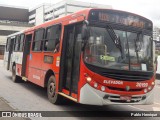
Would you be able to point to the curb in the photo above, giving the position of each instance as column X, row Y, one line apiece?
column 4, row 106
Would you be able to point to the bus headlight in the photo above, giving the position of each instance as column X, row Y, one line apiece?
column 145, row 90
column 95, row 85
column 88, row 79
column 150, row 87
column 103, row 88
column 153, row 83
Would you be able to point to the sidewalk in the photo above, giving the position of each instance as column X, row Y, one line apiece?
column 1, row 63
column 4, row 105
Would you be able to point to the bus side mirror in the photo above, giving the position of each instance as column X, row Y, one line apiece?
column 85, row 31
column 85, row 34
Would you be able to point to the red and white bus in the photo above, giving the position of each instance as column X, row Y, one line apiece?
column 94, row 56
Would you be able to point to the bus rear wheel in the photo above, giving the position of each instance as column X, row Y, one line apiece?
column 53, row 96
column 15, row 78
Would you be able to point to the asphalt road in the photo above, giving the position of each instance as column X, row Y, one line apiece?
column 29, row 97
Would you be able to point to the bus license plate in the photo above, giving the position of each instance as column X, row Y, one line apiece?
column 126, row 98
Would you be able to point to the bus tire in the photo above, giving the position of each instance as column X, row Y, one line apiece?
column 15, row 78
column 53, row 97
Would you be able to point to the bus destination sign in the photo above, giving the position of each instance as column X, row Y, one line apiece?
column 120, row 17
column 129, row 20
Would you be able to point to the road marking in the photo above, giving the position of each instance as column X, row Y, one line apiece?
column 137, row 108
column 156, row 103
column 156, row 109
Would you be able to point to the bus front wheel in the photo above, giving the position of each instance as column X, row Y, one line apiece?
column 53, row 96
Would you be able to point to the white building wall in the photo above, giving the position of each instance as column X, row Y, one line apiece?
column 32, row 16
column 71, row 9
column 59, row 12
column 77, row 3
column 59, row 4
column 32, row 21
column 156, row 33
column 65, row 7
column 49, row 16
column 39, row 19
column 62, row 15
column 3, row 40
column 12, row 28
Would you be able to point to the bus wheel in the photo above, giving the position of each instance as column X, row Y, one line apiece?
column 15, row 78
column 51, row 91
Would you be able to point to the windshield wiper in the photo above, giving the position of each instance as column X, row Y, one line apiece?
column 115, row 39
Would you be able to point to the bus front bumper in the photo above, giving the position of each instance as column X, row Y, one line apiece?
column 91, row 96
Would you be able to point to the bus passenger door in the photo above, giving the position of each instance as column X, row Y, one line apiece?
column 10, row 51
column 70, row 59
column 26, row 52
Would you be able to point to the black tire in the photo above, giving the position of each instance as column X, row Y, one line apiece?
column 15, row 78
column 53, row 97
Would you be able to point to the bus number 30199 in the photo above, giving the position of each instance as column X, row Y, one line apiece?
column 138, row 84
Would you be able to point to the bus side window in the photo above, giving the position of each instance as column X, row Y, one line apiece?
column 16, row 43
column 38, row 38
column 21, row 42
column 52, row 37
column 8, row 44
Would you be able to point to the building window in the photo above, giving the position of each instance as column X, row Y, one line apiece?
column 38, row 38
column 52, row 38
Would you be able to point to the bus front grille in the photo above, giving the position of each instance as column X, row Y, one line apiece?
column 117, row 99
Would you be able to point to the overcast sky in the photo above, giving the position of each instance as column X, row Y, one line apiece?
column 146, row 8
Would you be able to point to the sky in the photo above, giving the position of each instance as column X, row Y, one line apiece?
column 146, row 8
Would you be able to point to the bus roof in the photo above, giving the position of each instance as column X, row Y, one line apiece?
column 14, row 34
column 81, row 12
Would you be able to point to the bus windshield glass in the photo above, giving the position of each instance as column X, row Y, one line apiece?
column 133, row 51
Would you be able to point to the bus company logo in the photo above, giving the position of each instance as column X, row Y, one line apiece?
column 127, row 88
column 36, row 77
column 6, row 114
column 113, row 82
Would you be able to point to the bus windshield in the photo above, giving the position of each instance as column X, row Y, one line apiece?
column 134, row 50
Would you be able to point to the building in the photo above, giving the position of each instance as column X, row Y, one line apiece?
column 46, row 12
column 156, row 33
column 156, row 37
column 12, row 19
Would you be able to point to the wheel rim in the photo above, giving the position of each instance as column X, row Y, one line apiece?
column 52, row 89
